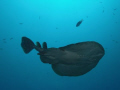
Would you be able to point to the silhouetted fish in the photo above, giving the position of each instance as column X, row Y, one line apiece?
column 39, row 17
column 71, row 60
column 4, row 39
column 78, row 23
column 115, row 9
column 113, row 13
column 20, row 23
column 103, row 11
column 11, row 38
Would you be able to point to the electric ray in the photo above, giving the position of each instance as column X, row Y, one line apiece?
column 71, row 60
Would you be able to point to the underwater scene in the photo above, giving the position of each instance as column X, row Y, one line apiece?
column 59, row 45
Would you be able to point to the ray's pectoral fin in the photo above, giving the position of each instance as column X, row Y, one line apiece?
column 27, row 44
column 72, row 70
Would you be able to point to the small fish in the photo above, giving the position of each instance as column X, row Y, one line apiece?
column 103, row 11
column 39, row 17
column 106, row 48
column 116, row 41
column 113, row 13
column 78, row 24
column 11, row 38
column 4, row 39
column 115, row 9
column 20, row 23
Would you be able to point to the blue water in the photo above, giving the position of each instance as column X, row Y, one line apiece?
column 54, row 21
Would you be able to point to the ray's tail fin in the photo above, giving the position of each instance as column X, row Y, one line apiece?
column 27, row 44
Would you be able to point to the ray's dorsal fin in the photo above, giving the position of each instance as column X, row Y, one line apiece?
column 44, row 45
column 38, row 44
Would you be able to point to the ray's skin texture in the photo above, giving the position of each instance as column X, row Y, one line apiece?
column 71, row 60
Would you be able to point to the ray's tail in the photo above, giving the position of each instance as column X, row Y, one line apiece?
column 27, row 44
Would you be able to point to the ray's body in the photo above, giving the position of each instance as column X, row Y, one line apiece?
column 71, row 60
